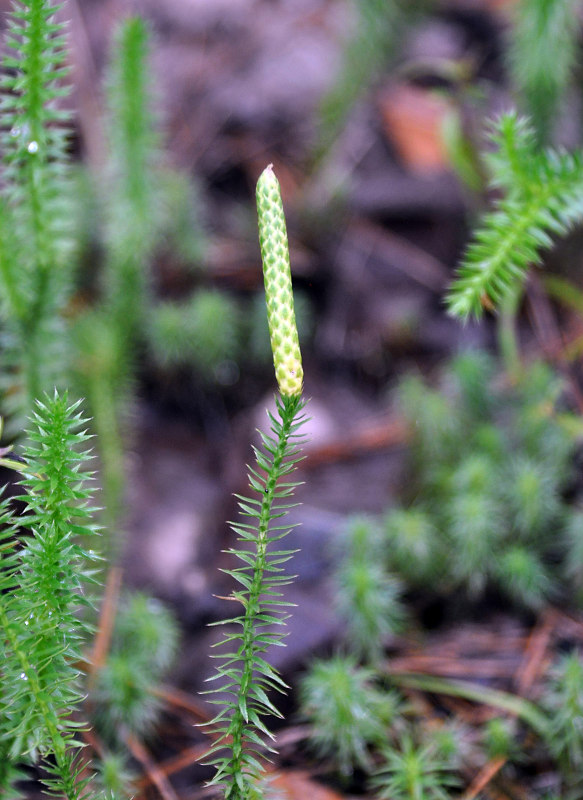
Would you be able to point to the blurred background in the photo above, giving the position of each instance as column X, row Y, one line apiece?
column 349, row 102
column 375, row 116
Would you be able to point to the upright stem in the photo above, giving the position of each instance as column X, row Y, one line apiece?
column 252, row 609
column 45, row 707
column 507, row 336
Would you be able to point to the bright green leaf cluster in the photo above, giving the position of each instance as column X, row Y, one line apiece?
column 368, row 598
column 348, row 711
column 488, row 487
column 35, row 214
column 43, row 583
column 414, row 771
column 202, row 332
column 543, row 50
column 143, row 646
column 543, row 197
column 563, row 702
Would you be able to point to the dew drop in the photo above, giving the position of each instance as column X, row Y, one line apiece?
column 15, row 132
column 23, row 677
column 32, row 147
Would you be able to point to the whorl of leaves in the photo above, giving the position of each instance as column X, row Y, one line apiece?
column 542, row 197
column 244, row 676
column 35, row 216
column 43, row 586
column 542, row 54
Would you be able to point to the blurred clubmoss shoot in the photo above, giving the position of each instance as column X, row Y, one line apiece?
column 347, row 710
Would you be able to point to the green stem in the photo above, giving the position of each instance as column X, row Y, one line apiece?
column 106, row 416
column 507, row 336
column 34, row 176
column 253, row 605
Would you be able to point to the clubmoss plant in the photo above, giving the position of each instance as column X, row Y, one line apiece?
column 47, row 577
column 413, row 771
column 542, row 55
column 141, row 207
column 563, row 703
column 412, row 542
column 500, row 739
column 542, row 197
column 201, row 332
column 143, row 646
column 35, row 240
column 245, row 676
column 452, row 742
column 540, row 190
column 487, row 504
column 133, row 161
column 526, row 578
column 349, row 712
column 368, row 598
column 129, row 199
column 122, row 698
column 114, row 776
column 48, row 337
column 46, row 572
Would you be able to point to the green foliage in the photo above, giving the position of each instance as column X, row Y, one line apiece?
column 114, row 776
column 143, row 206
column 451, row 742
column 107, row 338
column 244, row 675
column 347, row 710
column 136, row 206
column 542, row 198
column 563, row 703
column 202, row 332
column 411, row 772
column 367, row 597
column 500, row 740
column 377, row 29
column 412, row 544
column 542, row 56
column 524, row 576
column 144, row 203
column 540, row 190
column 143, row 647
column 134, row 159
column 35, row 275
column 487, row 486
column 44, row 585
